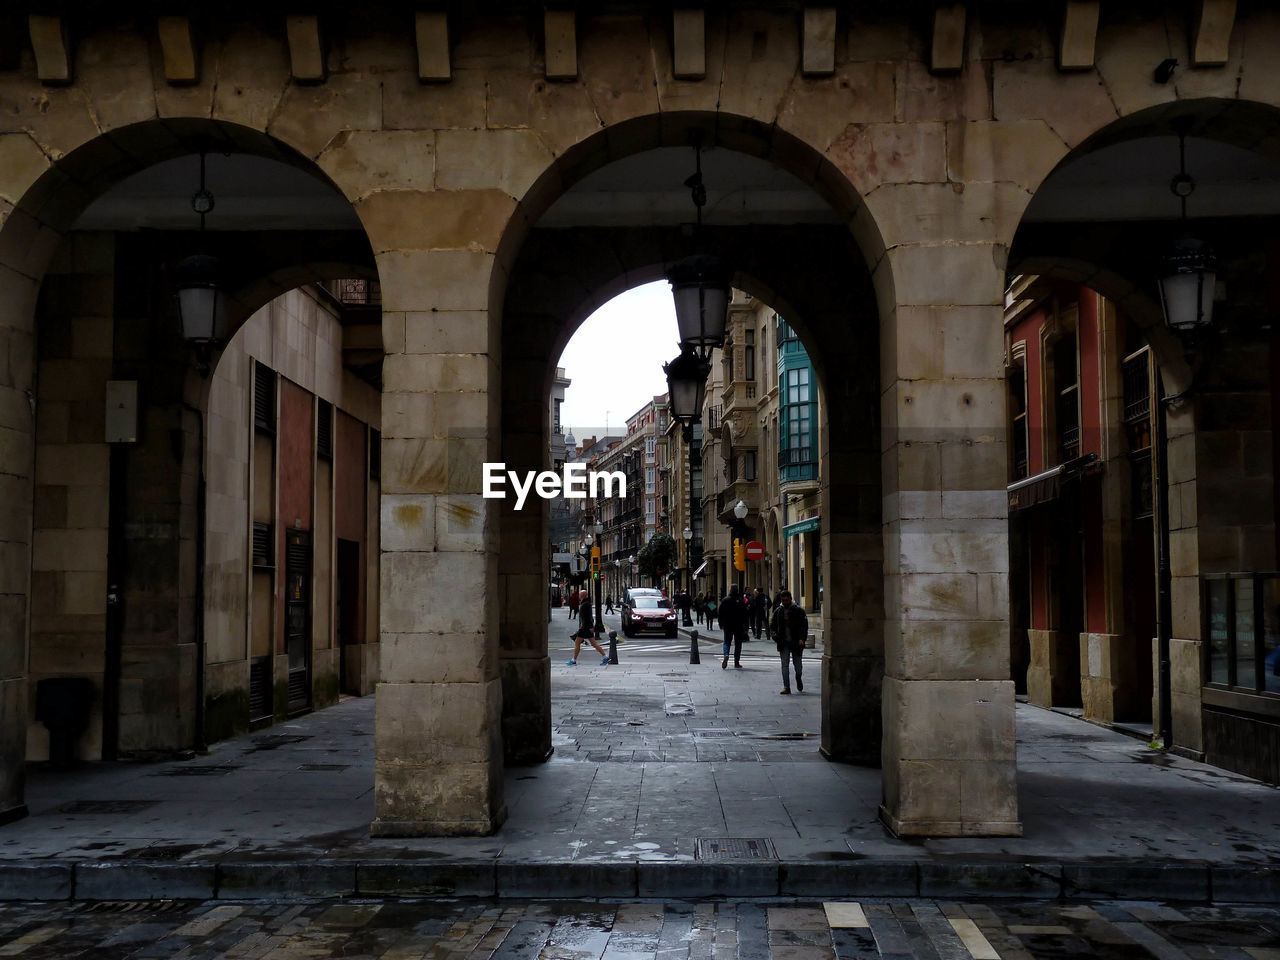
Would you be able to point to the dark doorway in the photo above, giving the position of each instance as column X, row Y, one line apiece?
column 298, row 618
column 349, row 616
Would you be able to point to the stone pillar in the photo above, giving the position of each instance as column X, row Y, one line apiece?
column 852, row 567
column 523, row 570
column 438, row 730
column 949, row 762
column 18, row 290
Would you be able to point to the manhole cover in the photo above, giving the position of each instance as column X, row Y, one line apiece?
column 734, row 848
column 106, row 806
column 206, row 770
column 324, row 766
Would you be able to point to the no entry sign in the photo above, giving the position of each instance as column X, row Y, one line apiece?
column 755, row 550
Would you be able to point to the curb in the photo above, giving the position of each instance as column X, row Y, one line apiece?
column 638, row 879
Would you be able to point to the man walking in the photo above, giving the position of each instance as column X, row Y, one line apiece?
column 759, row 612
column 789, row 628
column 573, row 603
column 732, row 617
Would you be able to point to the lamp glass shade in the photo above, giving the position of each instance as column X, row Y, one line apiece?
column 700, row 288
column 202, row 303
column 687, row 533
column 1188, row 276
column 740, row 509
column 687, row 386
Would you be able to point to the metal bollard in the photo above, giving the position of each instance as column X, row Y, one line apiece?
column 613, row 646
column 693, row 647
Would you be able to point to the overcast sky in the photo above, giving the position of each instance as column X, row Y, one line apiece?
column 615, row 360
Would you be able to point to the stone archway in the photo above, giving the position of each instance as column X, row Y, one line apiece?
column 91, row 304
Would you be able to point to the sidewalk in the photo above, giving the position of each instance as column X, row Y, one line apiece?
column 668, row 780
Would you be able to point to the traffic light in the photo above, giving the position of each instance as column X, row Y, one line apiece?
column 595, row 563
column 739, row 555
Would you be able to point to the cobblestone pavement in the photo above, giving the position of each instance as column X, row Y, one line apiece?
column 934, row 929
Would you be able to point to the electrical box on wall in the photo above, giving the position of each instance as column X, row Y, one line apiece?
column 122, row 411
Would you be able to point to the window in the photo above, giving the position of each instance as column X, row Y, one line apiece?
column 1242, row 626
column 648, row 449
column 649, row 509
column 795, row 435
column 648, row 479
column 1136, row 377
column 324, row 430
column 1018, row 418
column 749, row 355
column 264, row 397
column 749, row 465
column 1066, row 381
column 555, row 426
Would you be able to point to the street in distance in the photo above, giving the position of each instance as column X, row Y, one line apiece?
column 573, row 484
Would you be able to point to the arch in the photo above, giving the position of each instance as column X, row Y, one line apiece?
column 48, row 196
column 554, row 278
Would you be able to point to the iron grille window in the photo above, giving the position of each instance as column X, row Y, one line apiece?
column 1242, row 626
column 1067, row 383
column 356, row 291
column 1137, row 388
column 264, row 397
column 1018, row 404
column 324, row 430
column 375, row 454
column 262, row 551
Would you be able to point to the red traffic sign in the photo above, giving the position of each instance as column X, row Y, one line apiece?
column 755, row 550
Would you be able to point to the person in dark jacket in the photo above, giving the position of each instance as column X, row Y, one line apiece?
column 732, row 617
column 586, row 631
column 685, row 604
column 759, row 612
column 789, row 628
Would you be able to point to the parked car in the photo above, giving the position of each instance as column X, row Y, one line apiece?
column 644, row 608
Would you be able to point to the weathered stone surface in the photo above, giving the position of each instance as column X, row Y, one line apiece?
column 870, row 154
column 688, row 41
column 442, row 279
column 363, row 161
column 431, row 34
column 309, row 118
column 976, row 649
column 1079, row 34
column 1019, row 151
column 818, row 41
column 1023, row 90
column 439, row 220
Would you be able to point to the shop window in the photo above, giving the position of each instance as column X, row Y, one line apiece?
column 1242, row 627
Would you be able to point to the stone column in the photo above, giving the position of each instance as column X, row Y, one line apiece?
column 438, row 731
column 523, row 571
column 18, row 290
column 852, row 567
column 949, row 763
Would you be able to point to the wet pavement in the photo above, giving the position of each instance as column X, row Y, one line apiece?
column 569, row 930
column 667, row 778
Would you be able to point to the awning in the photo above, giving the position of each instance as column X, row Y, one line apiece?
column 702, row 566
column 1044, row 487
column 802, row 526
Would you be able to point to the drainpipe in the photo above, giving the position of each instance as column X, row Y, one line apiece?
column 1164, row 578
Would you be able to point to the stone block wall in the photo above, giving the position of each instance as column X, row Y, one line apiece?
column 69, row 555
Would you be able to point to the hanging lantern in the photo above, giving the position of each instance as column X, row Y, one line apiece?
column 700, row 286
column 1188, row 276
column 202, row 303
column 687, row 385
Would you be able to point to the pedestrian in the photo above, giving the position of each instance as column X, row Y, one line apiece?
column 586, row 631
column 608, row 603
column 573, row 604
column 759, row 612
column 789, row 629
column 733, row 621
column 686, row 604
column 700, row 606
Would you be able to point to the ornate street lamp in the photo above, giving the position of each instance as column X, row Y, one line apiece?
column 700, row 283
column 687, row 534
column 202, row 301
column 740, row 509
column 1188, row 272
column 687, row 386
